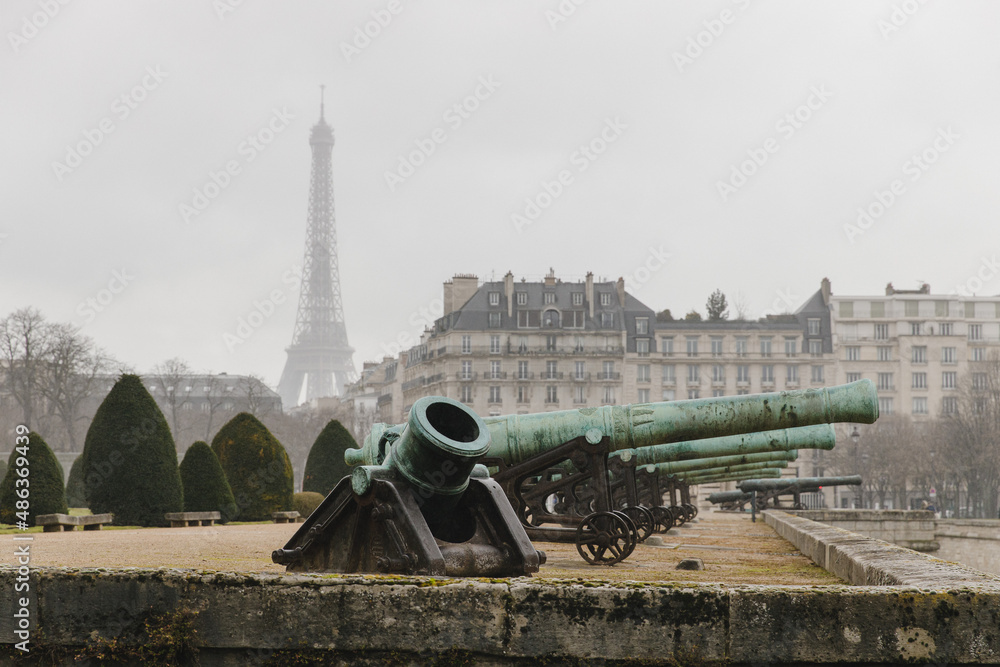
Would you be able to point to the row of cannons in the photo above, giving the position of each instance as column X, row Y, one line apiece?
column 764, row 493
column 449, row 493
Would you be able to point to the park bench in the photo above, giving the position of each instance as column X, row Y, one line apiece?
column 285, row 517
column 54, row 523
column 182, row 519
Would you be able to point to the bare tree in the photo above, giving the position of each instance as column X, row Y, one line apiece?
column 255, row 391
column 741, row 306
column 25, row 338
column 170, row 376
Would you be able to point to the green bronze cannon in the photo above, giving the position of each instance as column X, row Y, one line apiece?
column 523, row 447
column 729, row 500
column 765, row 492
column 429, row 508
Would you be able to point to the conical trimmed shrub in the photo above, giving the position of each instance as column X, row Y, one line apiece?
column 76, row 494
column 130, row 460
column 45, row 495
column 205, row 485
column 325, row 465
column 257, row 467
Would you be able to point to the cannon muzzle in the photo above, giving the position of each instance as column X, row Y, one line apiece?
column 799, row 483
column 728, row 497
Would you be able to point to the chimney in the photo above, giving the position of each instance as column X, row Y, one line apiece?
column 447, row 297
column 550, row 278
column 464, row 286
column 824, row 288
column 508, row 291
column 621, row 291
column 589, row 295
column 889, row 290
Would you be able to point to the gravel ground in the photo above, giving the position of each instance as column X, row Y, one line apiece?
column 734, row 550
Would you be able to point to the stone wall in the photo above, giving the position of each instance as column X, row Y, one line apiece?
column 913, row 529
column 973, row 542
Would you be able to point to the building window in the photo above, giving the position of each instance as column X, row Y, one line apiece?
column 643, row 395
column 910, row 308
column 949, row 405
column 494, row 344
column 549, row 298
column 667, row 346
column 550, row 319
column 919, row 381
column 948, row 355
column 578, row 372
column 716, row 393
column 607, row 320
column 741, row 346
column 791, row 347
column 573, row 319
column 494, row 394
column 495, row 370
column 694, row 393
column 669, row 395
column 885, row 405
column 878, row 308
column 915, row 328
column 692, row 346
column 580, row 394
column 812, row 325
column 881, row 332
column 792, row 374
column 853, row 377
column 577, row 298
column 642, row 347
column 884, row 382
column 919, row 354
column 978, row 353
column 494, row 298
column 669, row 374
column 466, row 344
column 605, row 298
column 941, row 309
column 642, row 326
column 465, row 393
column 817, row 375
column 884, row 353
column 716, row 346
column 920, row 405
column 550, row 343
column 742, row 374
column 522, row 394
column 767, row 374
column 815, row 348
column 578, row 343
column 551, row 394
column 694, row 373
column 743, row 391
column 979, row 381
column 718, row 373
column 609, row 395
column 853, row 353
column 609, row 371
column 522, row 344
column 522, row 298
column 847, row 309
column 642, row 374
column 975, row 332
column 948, row 379
column 550, row 370
column 765, row 347
column 494, row 320
column 946, row 329
column 466, row 373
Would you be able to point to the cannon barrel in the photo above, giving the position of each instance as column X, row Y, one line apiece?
column 798, row 482
column 517, row 438
column 675, row 467
column 819, row 436
column 727, row 497
column 733, row 476
column 743, row 467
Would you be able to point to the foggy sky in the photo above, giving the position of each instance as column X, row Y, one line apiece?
column 828, row 106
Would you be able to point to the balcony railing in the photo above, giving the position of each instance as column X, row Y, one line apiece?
column 609, row 375
column 581, row 377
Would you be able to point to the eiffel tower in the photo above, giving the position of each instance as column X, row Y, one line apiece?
column 319, row 353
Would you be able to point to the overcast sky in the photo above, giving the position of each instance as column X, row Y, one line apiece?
column 731, row 145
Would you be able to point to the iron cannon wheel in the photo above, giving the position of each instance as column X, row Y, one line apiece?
column 664, row 518
column 680, row 516
column 690, row 511
column 643, row 520
column 605, row 538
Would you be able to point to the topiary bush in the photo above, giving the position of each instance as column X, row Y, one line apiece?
column 257, row 467
column 306, row 502
column 45, row 491
column 76, row 494
column 325, row 464
column 130, row 460
column 205, row 486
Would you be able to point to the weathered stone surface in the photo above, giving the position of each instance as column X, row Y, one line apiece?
column 691, row 564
